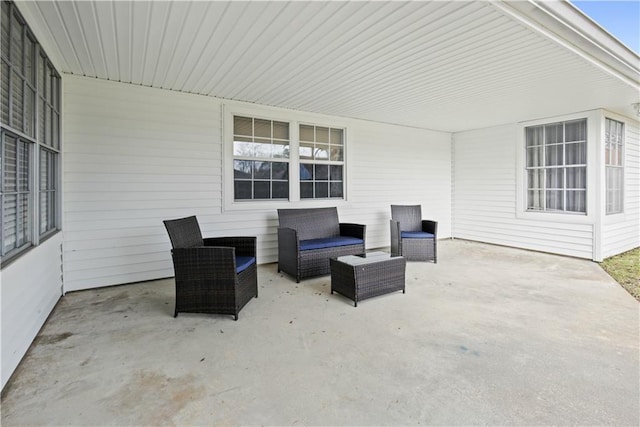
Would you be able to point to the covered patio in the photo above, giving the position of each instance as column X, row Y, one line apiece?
column 488, row 336
column 118, row 115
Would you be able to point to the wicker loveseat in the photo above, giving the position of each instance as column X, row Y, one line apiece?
column 307, row 238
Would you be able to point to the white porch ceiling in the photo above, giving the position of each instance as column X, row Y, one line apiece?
column 447, row 66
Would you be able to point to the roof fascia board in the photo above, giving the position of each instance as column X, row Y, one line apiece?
column 567, row 26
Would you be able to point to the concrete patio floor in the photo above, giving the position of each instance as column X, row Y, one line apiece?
column 488, row 336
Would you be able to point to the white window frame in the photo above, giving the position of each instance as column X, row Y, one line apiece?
column 621, row 167
column 608, row 219
column 593, row 120
column 323, row 162
column 251, row 135
column 28, row 224
column 294, row 118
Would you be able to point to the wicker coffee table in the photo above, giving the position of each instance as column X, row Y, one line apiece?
column 359, row 277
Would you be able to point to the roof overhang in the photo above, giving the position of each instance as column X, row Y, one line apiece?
column 569, row 27
column 448, row 66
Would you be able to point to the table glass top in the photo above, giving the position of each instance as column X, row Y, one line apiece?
column 366, row 258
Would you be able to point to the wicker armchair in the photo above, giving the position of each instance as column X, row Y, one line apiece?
column 411, row 236
column 213, row 275
column 307, row 238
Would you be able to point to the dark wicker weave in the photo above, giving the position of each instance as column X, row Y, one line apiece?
column 409, row 218
column 205, row 270
column 312, row 223
column 359, row 278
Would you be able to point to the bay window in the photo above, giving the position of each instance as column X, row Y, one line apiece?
column 614, row 161
column 556, row 167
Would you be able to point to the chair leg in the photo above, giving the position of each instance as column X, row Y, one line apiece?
column 435, row 252
column 175, row 314
column 235, row 317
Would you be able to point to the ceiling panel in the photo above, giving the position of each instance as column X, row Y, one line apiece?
column 105, row 46
column 439, row 65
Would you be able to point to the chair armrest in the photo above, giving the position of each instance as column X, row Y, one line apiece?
column 394, row 226
column 430, row 227
column 244, row 246
column 204, row 262
column 353, row 230
column 288, row 239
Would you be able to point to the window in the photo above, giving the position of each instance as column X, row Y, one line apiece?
column 613, row 160
column 260, row 159
column 556, row 166
column 48, row 181
column 30, row 136
column 321, row 153
column 48, row 103
column 16, row 194
column 272, row 162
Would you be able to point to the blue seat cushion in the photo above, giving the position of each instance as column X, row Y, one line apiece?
column 415, row 235
column 243, row 262
column 329, row 242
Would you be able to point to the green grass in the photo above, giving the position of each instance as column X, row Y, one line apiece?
column 625, row 269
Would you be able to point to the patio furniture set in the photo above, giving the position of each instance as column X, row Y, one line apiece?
column 219, row 275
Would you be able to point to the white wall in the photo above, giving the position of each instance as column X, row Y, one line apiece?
column 394, row 165
column 133, row 157
column 30, row 287
column 136, row 155
column 621, row 232
column 485, row 199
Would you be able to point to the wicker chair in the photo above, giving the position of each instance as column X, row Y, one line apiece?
column 411, row 236
column 213, row 275
column 307, row 238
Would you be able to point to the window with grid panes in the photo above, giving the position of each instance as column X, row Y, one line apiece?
column 556, row 167
column 614, row 165
column 47, row 190
column 261, row 149
column 321, row 154
column 16, row 194
column 30, row 136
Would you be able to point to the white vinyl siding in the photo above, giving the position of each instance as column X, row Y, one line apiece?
column 621, row 232
column 31, row 286
column 31, row 273
column 485, row 196
column 397, row 165
column 135, row 156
